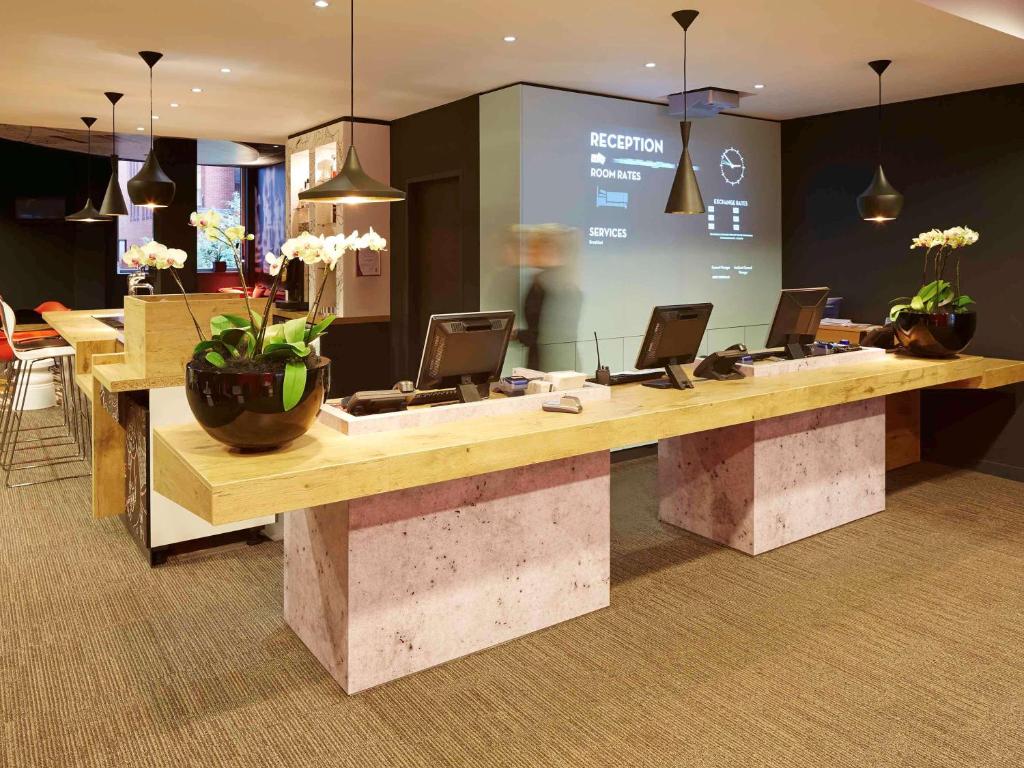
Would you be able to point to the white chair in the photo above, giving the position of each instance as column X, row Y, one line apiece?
column 63, row 442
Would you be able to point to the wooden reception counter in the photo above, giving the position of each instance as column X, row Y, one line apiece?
column 444, row 534
column 326, row 466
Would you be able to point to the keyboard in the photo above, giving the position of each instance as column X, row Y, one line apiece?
column 631, row 378
column 432, row 397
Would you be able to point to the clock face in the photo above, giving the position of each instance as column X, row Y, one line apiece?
column 733, row 166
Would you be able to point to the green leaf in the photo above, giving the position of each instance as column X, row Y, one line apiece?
column 273, row 335
column 221, row 323
column 917, row 304
column 285, row 350
column 898, row 310
column 295, row 330
column 317, row 330
column 240, row 339
column 203, row 346
column 963, row 301
column 294, row 383
column 257, row 320
column 216, row 359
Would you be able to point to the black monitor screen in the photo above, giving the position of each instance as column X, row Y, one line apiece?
column 797, row 316
column 674, row 334
column 465, row 348
column 39, row 208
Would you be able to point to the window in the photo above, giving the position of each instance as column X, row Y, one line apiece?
column 218, row 188
column 137, row 227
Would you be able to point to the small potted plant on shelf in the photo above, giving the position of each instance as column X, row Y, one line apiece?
column 254, row 384
column 939, row 320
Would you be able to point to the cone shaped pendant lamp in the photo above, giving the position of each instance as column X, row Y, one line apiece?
column 685, row 195
column 113, row 201
column 352, row 185
column 151, row 187
column 880, row 201
column 88, row 212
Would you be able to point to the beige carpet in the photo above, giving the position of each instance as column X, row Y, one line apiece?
column 894, row 641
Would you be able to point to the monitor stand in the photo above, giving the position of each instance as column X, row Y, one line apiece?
column 677, row 379
column 468, row 392
column 794, row 348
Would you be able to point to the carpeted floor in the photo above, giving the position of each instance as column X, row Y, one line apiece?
column 894, row 641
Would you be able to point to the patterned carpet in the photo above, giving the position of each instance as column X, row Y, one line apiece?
column 894, row 641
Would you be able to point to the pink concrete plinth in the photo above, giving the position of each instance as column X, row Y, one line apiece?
column 388, row 585
column 758, row 486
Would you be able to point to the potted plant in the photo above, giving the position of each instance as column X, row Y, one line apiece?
column 254, row 384
column 939, row 320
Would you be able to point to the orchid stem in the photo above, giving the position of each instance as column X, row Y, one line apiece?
column 188, row 306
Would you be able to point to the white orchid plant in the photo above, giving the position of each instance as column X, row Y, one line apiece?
column 238, row 342
column 938, row 294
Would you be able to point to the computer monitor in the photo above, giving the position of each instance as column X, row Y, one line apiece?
column 797, row 318
column 673, row 337
column 465, row 351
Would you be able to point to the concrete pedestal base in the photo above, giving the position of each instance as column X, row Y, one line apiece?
column 388, row 585
column 758, row 486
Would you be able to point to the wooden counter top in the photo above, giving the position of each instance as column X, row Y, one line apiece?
column 326, row 466
column 80, row 325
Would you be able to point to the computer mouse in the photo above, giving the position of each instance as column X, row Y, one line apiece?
column 405, row 387
column 737, row 348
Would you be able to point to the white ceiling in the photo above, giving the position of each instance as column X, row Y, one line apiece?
column 289, row 60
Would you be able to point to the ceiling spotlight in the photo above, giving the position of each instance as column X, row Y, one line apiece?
column 321, row 3
column 175, row 105
column 650, row 65
column 509, row 38
column 156, row 117
column 139, row 128
column 225, row 70
column 759, row 86
column 197, row 90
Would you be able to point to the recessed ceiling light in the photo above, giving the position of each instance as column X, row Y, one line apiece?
column 321, row 3
column 175, row 105
column 156, row 117
column 510, row 38
column 197, row 90
column 759, row 86
column 139, row 128
column 650, row 65
column 225, row 70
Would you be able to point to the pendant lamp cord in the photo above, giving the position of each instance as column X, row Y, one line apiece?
column 88, row 166
column 113, row 128
column 151, row 108
column 352, row 73
column 879, row 118
column 685, row 98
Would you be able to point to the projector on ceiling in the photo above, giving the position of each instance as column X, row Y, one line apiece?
column 706, row 102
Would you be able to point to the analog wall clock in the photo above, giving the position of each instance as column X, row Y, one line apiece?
column 732, row 165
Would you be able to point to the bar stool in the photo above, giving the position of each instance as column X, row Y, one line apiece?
column 56, row 355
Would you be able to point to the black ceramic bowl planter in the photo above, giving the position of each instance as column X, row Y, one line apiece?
column 935, row 334
column 245, row 409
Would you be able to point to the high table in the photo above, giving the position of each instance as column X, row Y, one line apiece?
column 363, row 586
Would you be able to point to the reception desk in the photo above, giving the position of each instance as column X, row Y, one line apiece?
column 405, row 549
column 134, row 384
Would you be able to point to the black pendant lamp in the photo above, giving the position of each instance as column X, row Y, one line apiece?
column 880, row 201
column 352, row 185
column 113, row 201
column 88, row 212
column 685, row 195
column 151, row 187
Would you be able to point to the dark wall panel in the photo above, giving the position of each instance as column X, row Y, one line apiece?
column 959, row 160
column 439, row 143
column 52, row 259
